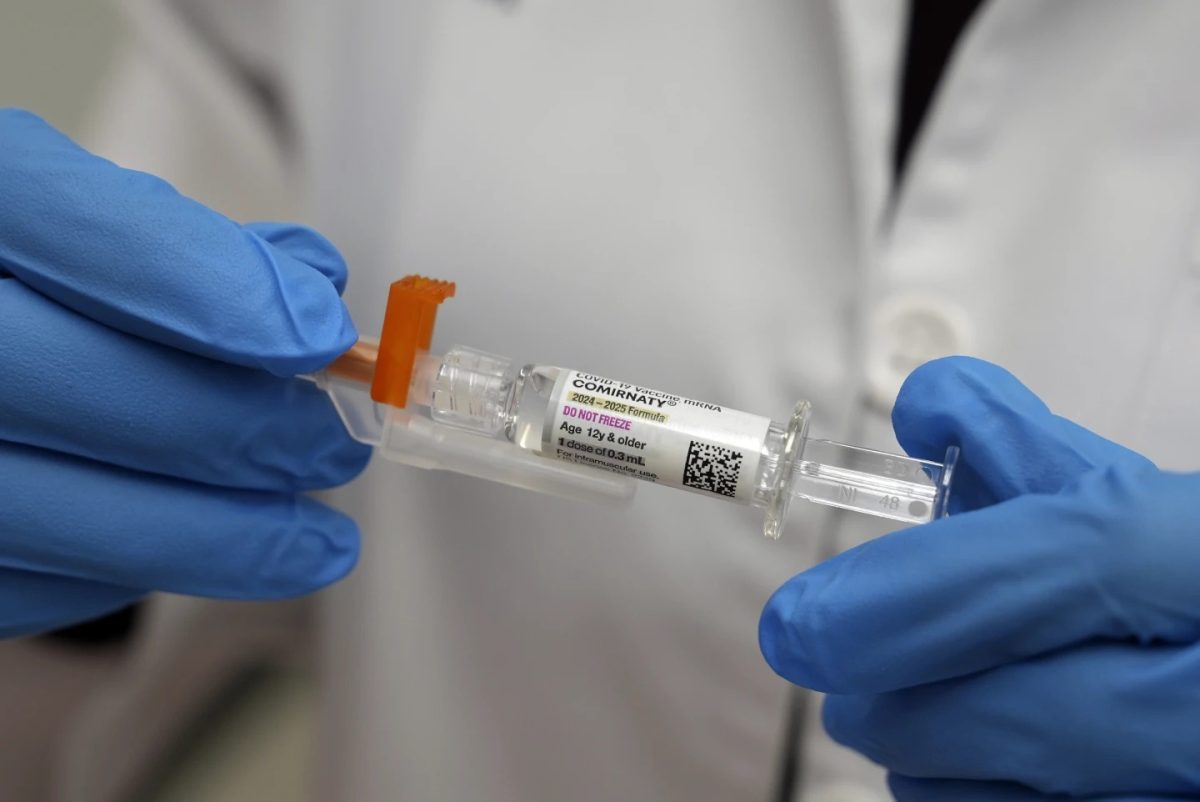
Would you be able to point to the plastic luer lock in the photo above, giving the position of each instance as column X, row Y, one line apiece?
column 575, row 434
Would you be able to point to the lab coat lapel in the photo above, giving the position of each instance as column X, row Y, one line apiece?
column 869, row 38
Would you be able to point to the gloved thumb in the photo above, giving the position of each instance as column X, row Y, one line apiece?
column 1011, row 442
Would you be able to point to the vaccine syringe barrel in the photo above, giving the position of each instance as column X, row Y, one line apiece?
column 595, row 423
column 588, row 437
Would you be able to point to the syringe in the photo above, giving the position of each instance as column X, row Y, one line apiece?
column 575, row 434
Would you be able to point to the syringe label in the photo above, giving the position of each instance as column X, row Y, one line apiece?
column 655, row 436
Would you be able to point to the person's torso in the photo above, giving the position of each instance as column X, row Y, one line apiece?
column 689, row 195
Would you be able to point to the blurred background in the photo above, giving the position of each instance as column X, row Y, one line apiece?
column 226, row 715
column 53, row 54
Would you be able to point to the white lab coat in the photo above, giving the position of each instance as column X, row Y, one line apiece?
column 692, row 195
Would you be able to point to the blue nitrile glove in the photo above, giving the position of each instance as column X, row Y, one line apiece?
column 1041, row 643
column 150, row 435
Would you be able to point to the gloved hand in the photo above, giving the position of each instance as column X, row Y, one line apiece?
column 1041, row 643
column 150, row 435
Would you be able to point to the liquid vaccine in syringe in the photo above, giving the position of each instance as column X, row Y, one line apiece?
column 645, row 434
column 578, row 434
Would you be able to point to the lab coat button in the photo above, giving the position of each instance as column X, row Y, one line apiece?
column 907, row 331
column 845, row 792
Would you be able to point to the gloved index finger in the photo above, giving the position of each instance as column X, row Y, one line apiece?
column 1114, row 557
column 918, row 605
column 127, row 250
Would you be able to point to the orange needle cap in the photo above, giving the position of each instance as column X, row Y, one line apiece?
column 407, row 328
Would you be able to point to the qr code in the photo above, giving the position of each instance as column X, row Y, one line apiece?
column 712, row 468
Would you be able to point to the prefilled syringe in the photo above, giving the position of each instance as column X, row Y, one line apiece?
column 577, row 434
